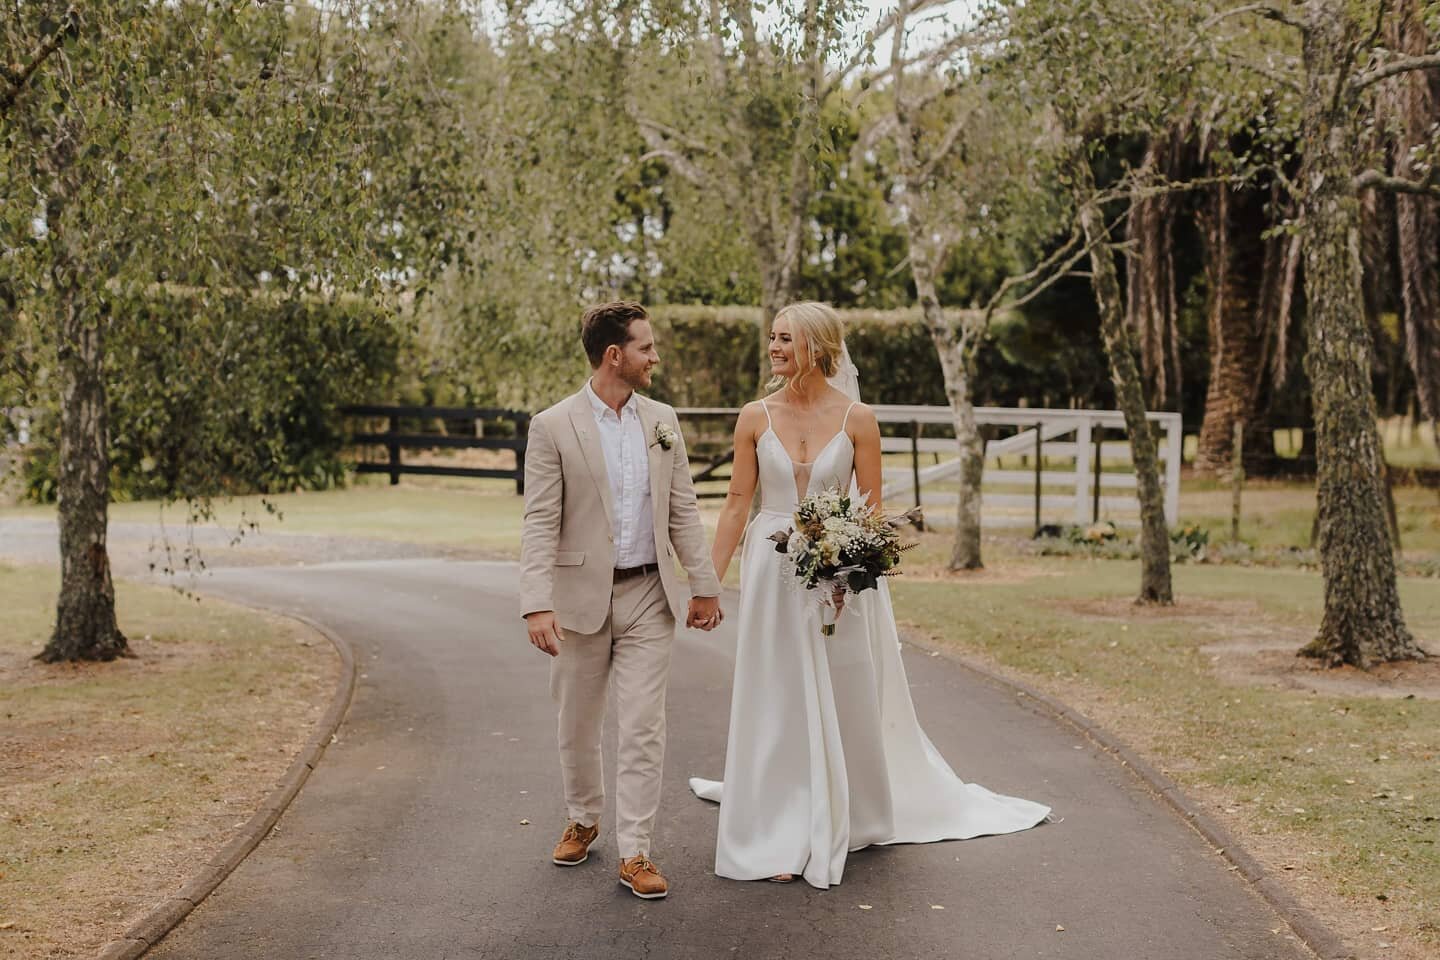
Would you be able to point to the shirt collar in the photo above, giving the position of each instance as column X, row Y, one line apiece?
column 600, row 407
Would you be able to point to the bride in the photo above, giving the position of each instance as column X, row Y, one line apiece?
column 825, row 754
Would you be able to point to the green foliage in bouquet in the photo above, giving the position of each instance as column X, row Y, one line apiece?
column 840, row 542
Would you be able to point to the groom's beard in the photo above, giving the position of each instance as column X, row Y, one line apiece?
column 636, row 377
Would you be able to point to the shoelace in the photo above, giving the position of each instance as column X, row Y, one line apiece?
column 572, row 832
column 641, row 864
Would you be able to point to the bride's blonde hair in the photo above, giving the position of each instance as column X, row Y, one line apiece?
column 824, row 334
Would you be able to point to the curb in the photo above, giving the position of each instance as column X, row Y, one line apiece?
column 166, row 915
column 1320, row 939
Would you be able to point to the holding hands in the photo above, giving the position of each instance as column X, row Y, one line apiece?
column 704, row 613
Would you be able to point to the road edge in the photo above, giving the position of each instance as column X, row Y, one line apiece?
column 151, row 928
column 1312, row 932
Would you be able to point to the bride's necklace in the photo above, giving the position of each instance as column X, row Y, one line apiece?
column 805, row 432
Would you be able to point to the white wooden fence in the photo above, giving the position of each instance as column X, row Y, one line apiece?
column 1065, row 435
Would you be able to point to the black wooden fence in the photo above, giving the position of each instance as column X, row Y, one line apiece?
column 406, row 431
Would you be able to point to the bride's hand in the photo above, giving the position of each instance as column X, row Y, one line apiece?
column 839, row 599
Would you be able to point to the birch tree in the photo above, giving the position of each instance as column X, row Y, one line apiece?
column 740, row 116
column 1106, row 69
column 961, row 160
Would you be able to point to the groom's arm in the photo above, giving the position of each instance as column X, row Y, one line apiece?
column 687, row 533
column 540, row 534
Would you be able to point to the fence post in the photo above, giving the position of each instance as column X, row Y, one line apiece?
column 1099, row 449
column 394, row 447
column 522, row 433
column 1237, row 478
column 1082, row 469
column 1174, row 452
column 915, row 463
column 1039, row 467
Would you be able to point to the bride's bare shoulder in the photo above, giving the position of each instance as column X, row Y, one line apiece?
column 752, row 419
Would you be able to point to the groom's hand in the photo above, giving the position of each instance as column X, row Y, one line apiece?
column 544, row 631
column 704, row 613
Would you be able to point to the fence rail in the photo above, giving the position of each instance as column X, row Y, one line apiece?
column 1041, row 436
column 1076, row 489
column 395, row 440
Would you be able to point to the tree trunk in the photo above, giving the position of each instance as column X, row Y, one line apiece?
column 1240, row 298
column 772, row 298
column 1151, row 305
column 1417, row 218
column 1155, row 586
column 957, row 364
column 1362, row 623
column 85, row 626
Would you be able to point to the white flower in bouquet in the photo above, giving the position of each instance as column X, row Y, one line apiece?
column 840, row 546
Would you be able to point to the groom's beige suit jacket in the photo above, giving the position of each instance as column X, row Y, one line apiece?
column 567, row 551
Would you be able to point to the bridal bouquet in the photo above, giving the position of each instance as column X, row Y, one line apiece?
column 841, row 546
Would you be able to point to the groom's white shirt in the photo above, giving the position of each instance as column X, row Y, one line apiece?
column 627, row 467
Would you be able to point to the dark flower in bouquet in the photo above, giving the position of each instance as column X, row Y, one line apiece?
column 840, row 546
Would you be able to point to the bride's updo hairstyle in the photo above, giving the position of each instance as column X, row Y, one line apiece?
column 823, row 333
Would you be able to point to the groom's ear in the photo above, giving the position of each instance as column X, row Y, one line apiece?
column 613, row 355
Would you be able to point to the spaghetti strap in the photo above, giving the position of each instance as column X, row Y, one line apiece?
column 846, row 421
column 770, row 423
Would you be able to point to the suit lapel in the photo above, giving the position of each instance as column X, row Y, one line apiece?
column 657, row 460
column 582, row 418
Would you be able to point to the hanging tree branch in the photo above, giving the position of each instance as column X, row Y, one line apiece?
column 1267, row 10
column 1391, row 68
column 1374, row 179
column 18, row 75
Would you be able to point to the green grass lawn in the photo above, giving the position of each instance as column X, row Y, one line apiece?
column 1340, row 793
column 120, row 780
column 481, row 515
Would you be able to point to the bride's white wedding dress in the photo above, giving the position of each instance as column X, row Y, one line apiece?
column 825, row 754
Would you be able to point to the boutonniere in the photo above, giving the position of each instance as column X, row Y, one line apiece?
column 663, row 436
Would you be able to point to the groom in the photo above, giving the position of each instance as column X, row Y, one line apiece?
column 608, row 507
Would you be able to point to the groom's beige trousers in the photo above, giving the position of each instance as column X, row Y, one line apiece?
column 630, row 654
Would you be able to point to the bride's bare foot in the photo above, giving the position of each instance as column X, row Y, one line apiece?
column 782, row 878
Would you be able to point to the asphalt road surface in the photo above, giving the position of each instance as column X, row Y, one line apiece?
column 407, row 843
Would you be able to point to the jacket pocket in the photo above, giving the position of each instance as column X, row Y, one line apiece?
column 569, row 558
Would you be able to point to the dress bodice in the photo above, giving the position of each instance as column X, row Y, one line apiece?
column 783, row 482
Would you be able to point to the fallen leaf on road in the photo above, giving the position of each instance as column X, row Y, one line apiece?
column 524, row 823
column 1378, row 929
column 1059, row 928
column 936, row 906
column 864, row 906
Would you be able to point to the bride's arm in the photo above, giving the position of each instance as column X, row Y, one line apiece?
column 744, row 472
column 866, row 434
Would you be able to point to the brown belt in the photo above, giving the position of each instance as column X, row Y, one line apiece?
column 625, row 573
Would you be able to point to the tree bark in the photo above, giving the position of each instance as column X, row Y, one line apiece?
column 1240, row 299
column 1362, row 623
column 1417, row 218
column 1155, row 585
column 85, row 625
column 1151, row 303
column 957, row 364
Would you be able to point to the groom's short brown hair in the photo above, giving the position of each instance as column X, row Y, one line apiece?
column 607, row 324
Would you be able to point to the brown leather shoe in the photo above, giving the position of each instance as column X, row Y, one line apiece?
column 574, row 845
column 643, row 878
